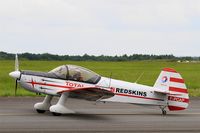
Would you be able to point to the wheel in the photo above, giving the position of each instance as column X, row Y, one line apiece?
column 40, row 111
column 164, row 112
column 56, row 114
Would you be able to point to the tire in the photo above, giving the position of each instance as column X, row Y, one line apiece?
column 56, row 114
column 164, row 112
column 40, row 111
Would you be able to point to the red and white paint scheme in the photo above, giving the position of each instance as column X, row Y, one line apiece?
column 69, row 80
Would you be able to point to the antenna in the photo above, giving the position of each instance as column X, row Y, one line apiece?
column 139, row 77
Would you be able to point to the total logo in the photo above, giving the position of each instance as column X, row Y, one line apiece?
column 164, row 79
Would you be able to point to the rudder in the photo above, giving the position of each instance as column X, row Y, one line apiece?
column 170, row 80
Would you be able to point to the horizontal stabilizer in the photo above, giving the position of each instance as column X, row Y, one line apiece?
column 165, row 92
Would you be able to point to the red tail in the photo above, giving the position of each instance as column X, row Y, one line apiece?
column 170, row 80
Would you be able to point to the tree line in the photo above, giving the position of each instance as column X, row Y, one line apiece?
column 86, row 57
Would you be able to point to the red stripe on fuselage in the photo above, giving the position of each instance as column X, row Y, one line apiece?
column 139, row 97
column 178, row 80
column 45, row 84
column 70, row 88
column 178, row 90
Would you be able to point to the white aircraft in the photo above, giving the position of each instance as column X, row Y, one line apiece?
column 168, row 91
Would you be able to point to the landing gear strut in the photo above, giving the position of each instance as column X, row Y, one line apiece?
column 60, row 107
column 43, row 106
column 164, row 112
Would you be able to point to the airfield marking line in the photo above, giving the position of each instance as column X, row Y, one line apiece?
column 19, row 114
column 147, row 114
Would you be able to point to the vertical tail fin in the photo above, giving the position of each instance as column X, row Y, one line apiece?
column 170, row 80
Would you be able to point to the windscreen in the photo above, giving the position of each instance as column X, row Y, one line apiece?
column 81, row 74
column 75, row 73
column 60, row 72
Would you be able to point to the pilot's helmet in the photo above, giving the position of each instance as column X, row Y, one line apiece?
column 77, row 75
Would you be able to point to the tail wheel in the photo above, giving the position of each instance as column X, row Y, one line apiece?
column 164, row 112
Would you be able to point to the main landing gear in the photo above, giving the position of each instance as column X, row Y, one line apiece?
column 57, row 109
column 164, row 112
column 43, row 106
column 60, row 107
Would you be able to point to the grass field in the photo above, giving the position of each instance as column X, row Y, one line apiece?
column 128, row 71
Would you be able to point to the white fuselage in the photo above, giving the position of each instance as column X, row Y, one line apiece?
column 125, row 92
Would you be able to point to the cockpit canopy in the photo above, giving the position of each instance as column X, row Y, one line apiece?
column 75, row 73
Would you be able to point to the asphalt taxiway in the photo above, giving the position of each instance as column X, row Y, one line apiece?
column 17, row 115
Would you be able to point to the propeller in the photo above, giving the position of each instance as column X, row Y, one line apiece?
column 16, row 69
column 16, row 63
column 16, row 84
column 16, row 74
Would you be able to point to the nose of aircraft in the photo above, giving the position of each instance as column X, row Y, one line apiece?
column 15, row 74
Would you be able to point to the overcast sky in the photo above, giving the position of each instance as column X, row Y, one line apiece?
column 95, row 27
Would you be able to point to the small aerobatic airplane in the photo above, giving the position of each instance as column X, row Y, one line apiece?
column 168, row 91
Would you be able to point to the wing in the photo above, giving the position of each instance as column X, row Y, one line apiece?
column 89, row 93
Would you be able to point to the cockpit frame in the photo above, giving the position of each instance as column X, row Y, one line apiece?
column 76, row 73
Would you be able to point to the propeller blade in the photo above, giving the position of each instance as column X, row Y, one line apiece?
column 16, row 63
column 16, row 82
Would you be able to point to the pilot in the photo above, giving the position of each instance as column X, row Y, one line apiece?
column 77, row 76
